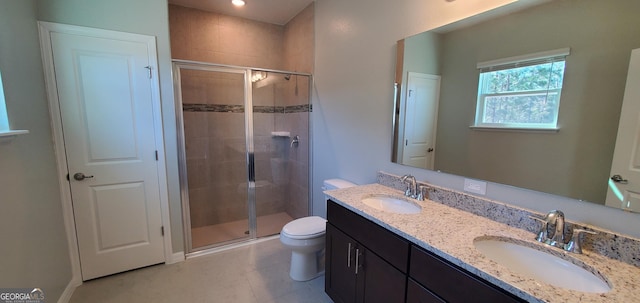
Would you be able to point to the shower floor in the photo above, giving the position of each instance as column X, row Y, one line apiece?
column 211, row 234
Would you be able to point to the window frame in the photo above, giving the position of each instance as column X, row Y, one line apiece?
column 512, row 63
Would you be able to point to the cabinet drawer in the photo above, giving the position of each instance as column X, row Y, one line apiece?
column 452, row 283
column 386, row 244
column 418, row 294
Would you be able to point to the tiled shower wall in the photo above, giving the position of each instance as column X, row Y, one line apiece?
column 214, row 118
column 299, row 55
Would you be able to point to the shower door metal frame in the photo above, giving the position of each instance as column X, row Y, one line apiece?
column 248, row 122
column 250, row 150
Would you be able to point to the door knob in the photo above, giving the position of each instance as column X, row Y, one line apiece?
column 619, row 179
column 430, row 149
column 81, row 176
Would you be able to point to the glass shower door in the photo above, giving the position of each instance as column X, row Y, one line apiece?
column 281, row 148
column 244, row 170
column 215, row 140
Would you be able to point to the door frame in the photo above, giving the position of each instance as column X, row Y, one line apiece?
column 45, row 29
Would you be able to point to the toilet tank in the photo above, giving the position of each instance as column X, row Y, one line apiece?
column 336, row 184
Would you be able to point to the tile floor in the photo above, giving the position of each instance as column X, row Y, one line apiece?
column 255, row 273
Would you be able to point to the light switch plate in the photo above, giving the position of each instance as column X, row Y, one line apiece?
column 475, row 186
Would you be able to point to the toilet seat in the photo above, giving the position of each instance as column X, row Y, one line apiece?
column 305, row 228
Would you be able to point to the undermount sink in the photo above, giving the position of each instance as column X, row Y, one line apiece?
column 533, row 262
column 391, row 204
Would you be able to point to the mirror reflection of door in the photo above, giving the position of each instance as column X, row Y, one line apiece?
column 420, row 117
column 625, row 191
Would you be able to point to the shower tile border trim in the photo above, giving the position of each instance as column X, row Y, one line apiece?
column 224, row 108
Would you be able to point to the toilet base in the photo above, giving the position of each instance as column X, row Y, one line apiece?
column 306, row 266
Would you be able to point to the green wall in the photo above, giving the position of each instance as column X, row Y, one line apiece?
column 34, row 246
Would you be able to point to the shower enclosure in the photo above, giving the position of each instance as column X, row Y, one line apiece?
column 244, row 165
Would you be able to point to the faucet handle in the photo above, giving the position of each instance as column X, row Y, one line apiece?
column 575, row 245
column 404, row 178
column 542, row 233
column 421, row 193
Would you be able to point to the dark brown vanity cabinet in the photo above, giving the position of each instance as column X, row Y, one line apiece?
column 434, row 275
column 367, row 263
column 371, row 269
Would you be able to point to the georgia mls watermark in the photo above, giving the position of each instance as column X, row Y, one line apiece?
column 21, row 295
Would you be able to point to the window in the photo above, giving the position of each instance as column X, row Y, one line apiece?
column 5, row 130
column 4, row 119
column 521, row 92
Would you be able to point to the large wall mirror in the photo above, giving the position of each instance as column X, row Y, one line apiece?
column 437, row 84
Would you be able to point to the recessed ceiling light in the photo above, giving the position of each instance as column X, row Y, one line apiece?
column 238, row 2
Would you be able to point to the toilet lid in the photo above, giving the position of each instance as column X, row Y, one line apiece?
column 306, row 227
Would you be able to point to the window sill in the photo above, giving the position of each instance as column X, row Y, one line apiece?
column 515, row 129
column 12, row 133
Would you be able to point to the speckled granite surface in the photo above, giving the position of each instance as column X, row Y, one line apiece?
column 605, row 242
column 449, row 232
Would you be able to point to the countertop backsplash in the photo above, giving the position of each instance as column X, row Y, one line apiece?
column 606, row 243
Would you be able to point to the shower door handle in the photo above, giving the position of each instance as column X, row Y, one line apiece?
column 251, row 167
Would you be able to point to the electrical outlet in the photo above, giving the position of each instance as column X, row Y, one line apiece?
column 475, row 186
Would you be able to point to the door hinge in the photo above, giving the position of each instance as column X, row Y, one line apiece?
column 156, row 155
column 148, row 67
column 162, row 230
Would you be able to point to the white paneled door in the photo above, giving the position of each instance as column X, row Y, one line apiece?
column 105, row 94
column 421, row 114
column 624, row 182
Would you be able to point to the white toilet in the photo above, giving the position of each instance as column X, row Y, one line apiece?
column 305, row 238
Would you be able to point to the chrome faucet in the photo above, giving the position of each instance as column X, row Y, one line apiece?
column 411, row 186
column 555, row 219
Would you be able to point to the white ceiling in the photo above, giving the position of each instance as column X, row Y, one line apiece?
column 270, row 11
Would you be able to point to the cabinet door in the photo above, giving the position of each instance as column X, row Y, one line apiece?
column 340, row 277
column 389, row 246
column 383, row 283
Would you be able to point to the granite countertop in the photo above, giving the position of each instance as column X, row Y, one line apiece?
column 449, row 233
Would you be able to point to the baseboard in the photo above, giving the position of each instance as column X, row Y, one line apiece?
column 68, row 291
column 175, row 258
